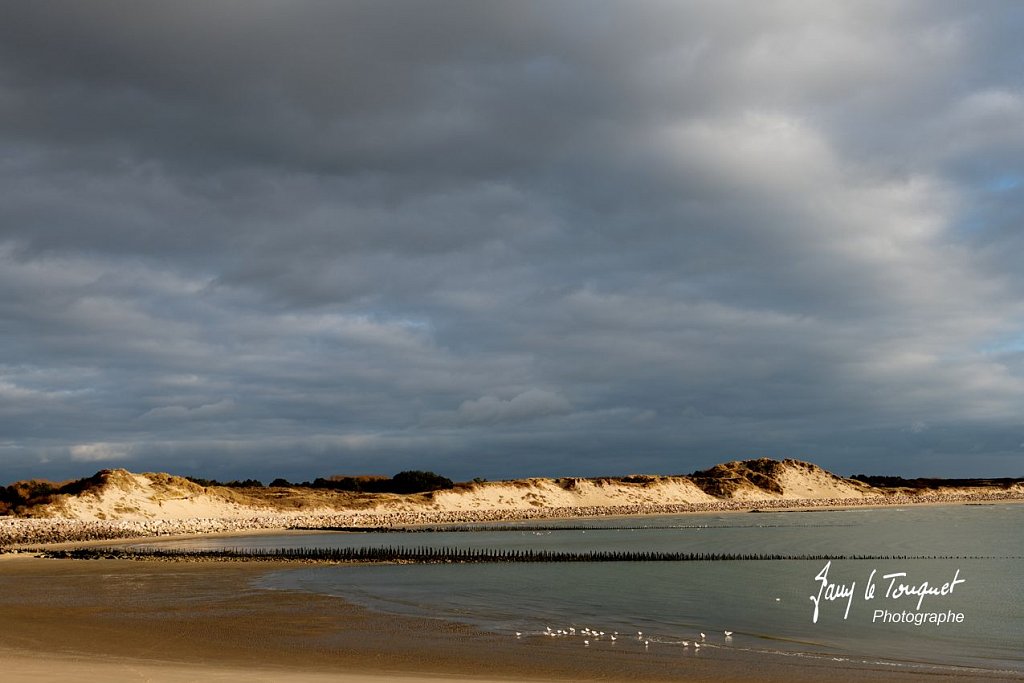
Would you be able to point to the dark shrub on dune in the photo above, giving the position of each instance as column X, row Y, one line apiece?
column 416, row 481
column 410, row 481
column 22, row 495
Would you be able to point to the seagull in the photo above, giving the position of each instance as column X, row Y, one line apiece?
column 686, row 643
column 614, row 638
column 639, row 633
column 518, row 634
column 702, row 636
column 778, row 599
column 728, row 634
column 696, row 646
column 646, row 643
column 587, row 643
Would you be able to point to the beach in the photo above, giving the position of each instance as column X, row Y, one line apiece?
column 123, row 619
column 20, row 531
column 178, row 621
column 492, row 341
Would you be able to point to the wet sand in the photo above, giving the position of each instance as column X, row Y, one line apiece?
column 129, row 620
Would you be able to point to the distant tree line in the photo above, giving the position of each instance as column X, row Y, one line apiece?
column 409, row 481
column 234, row 484
column 930, row 482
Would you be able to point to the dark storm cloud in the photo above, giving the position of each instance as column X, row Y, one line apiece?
column 261, row 238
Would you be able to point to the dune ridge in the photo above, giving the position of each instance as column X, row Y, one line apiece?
column 120, row 495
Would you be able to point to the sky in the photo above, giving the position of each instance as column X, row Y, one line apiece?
column 261, row 238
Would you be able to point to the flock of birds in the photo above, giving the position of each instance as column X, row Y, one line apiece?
column 591, row 634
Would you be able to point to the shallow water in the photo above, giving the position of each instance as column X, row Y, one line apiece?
column 766, row 604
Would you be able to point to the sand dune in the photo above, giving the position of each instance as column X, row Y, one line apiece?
column 767, row 479
column 523, row 494
column 123, row 495
column 120, row 495
column 118, row 504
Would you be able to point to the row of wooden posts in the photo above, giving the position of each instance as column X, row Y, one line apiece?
column 441, row 555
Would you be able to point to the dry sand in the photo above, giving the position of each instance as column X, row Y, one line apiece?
column 124, row 495
column 120, row 504
column 116, row 620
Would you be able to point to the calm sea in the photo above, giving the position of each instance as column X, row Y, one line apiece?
column 766, row 605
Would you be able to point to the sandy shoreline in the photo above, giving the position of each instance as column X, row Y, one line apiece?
column 124, row 620
column 156, row 621
column 20, row 531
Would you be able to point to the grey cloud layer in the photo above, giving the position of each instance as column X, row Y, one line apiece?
column 493, row 239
